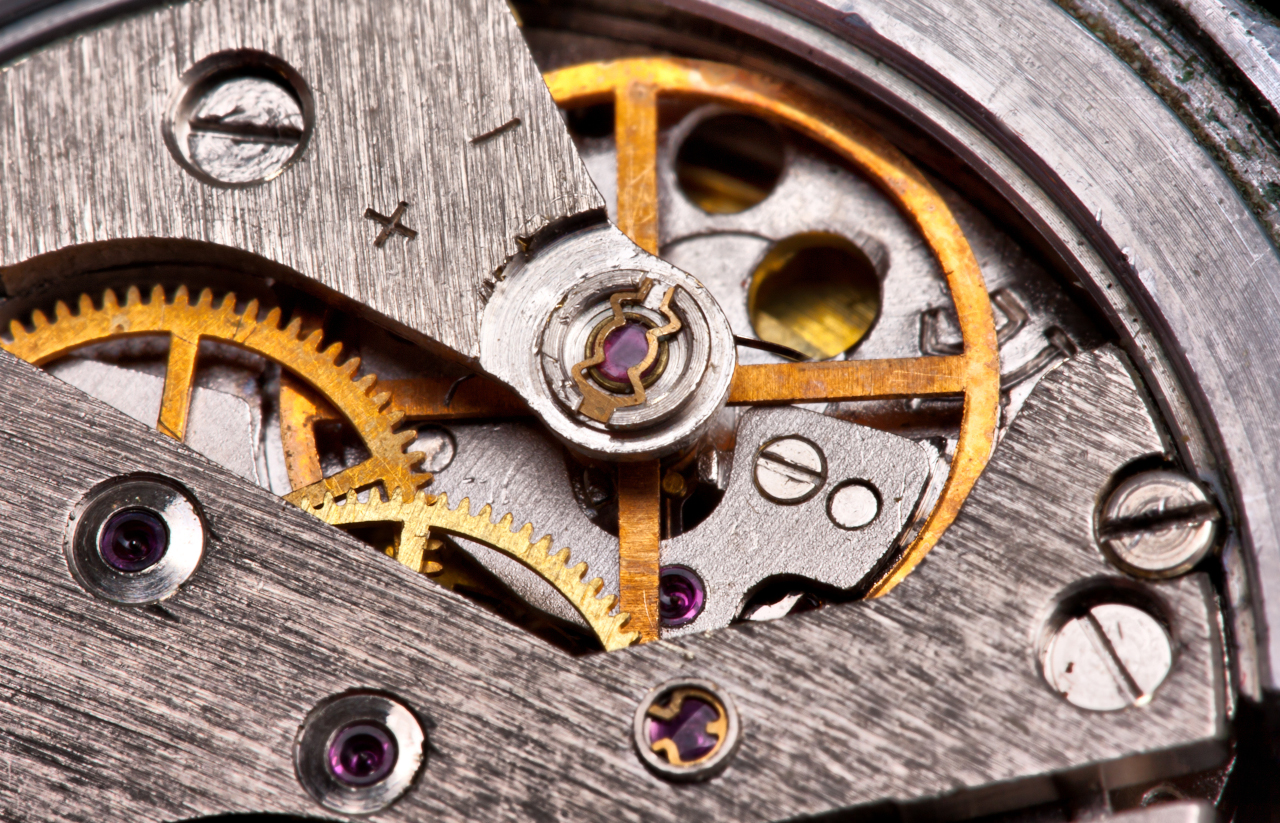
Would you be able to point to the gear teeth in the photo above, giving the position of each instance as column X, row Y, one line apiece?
column 382, row 399
column 425, row 513
column 350, row 367
column 395, row 416
column 41, row 340
column 313, row 341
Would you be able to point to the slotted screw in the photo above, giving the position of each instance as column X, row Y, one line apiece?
column 1158, row 524
column 1113, row 656
column 790, row 470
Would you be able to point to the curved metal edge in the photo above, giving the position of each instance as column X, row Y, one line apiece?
column 1167, row 256
column 41, row 23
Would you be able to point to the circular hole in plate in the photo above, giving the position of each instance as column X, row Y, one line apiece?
column 730, row 162
column 816, row 292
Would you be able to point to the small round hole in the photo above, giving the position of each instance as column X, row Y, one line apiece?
column 817, row 293
column 730, row 162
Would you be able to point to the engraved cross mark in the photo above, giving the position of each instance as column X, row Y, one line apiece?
column 390, row 225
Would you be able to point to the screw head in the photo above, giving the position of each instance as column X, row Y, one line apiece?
column 686, row 730
column 790, row 470
column 134, row 540
column 1158, row 524
column 853, row 504
column 239, row 118
column 1112, row 656
column 359, row 752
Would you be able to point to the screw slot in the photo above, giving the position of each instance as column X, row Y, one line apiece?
column 790, row 470
column 1157, row 524
column 359, row 752
column 686, row 730
column 134, row 540
column 1107, row 648
column 239, row 118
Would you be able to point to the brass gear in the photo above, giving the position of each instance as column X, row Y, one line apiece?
column 186, row 323
column 425, row 514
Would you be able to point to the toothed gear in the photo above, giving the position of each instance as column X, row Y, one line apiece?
column 188, row 322
column 425, row 515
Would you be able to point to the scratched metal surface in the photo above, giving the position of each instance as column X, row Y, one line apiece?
column 135, row 714
column 401, row 91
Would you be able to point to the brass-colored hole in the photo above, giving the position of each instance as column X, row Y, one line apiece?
column 817, row 293
column 730, row 162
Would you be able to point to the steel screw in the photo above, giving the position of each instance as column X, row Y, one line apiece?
column 790, row 470
column 1111, row 657
column 1158, row 524
column 242, row 118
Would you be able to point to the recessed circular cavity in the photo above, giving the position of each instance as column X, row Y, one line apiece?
column 681, row 595
column 817, row 293
column 730, row 162
column 239, row 118
column 134, row 540
column 853, row 504
column 362, row 753
column 624, row 347
column 359, row 752
column 686, row 730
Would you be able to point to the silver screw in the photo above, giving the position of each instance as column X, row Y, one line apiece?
column 1112, row 657
column 242, row 119
column 853, row 504
column 1158, row 524
column 790, row 470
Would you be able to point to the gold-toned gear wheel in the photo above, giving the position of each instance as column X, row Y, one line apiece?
column 425, row 515
column 187, row 323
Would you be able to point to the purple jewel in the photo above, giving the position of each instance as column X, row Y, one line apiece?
column 680, row 596
column 362, row 753
column 624, row 347
column 688, row 729
column 133, row 540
